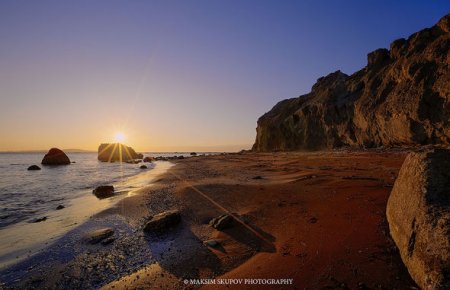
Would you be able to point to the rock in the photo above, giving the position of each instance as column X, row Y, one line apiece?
column 55, row 156
column 222, row 222
column 59, row 207
column 378, row 58
column 400, row 99
column 38, row 220
column 148, row 159
column 34, row 167
column 97, row 236
column 108, row 241
column 103, row 191
column 143, row 167
column 163, row 221
column 211, row 243
column 258, row 177
column 418, row 212
column 193, row 154
column 111, row 152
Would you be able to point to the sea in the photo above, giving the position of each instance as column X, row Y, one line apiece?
column 31, row 217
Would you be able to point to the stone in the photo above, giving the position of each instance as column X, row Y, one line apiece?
column 55, row 156
column 163, row 221
column 111, row 152
column 211, row 243
column 99, row 235
column 38, row 220
column 34, row 167
column 222, row 222
column 143, row 167
column 103, row 191
column 418, row 213
column 401, row 99
column 193, row 154
column 148, row 159
column 59, row 207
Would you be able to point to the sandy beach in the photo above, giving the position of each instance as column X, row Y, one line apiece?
column 316, row 218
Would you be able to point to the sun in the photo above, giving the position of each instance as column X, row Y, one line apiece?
column 119, row 137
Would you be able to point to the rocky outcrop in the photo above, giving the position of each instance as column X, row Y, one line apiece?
column 112, row 152
column 55, row 156
column 401, row 98
column 418, row 212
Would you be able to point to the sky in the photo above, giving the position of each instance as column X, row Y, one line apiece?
column 177, row 75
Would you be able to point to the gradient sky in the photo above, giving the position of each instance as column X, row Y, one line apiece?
column 177, row 75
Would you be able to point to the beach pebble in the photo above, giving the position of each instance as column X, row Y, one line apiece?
column 108, row 241
column 34, row 167
column 99, row 235
column 143, row 167
column 104, row 191
column 163, row 221
column 60, row 207
column 222, row 222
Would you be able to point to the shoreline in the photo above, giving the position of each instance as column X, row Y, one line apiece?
column 321, row 216
column 61, row 222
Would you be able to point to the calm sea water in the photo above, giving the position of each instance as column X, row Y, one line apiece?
column 26, row 196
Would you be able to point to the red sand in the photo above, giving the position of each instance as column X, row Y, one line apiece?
column 321, row 216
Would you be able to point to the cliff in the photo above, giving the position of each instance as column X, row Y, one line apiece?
column 401, row 98
column 111, row 152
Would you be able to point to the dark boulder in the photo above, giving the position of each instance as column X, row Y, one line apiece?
column 418, row 212
column 59, row 207
column 55, row 156
column 163, row 221
column 143, row 167
column 34, row 167
column 103, row 191
column 193, row 154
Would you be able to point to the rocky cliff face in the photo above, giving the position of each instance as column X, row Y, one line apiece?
column 401, row 98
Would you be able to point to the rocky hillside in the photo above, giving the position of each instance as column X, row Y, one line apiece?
column 401, row 98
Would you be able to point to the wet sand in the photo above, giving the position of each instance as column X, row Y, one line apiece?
column 317, row 218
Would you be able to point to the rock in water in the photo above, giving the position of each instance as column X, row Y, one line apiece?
column 103, row 191
column 163, row 221
column 143, row 167
column 418, row 212
column 34, row 167
column 55, row 156
column 148, row 159
column 222, row 222
column 401, row 98
column 97, row 236
column 111, row 152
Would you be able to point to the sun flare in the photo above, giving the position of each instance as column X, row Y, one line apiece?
column 119, row 137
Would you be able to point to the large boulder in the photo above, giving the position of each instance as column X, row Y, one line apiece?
column 401, row 98
column 112, row 152
column 55, row 156
column 418, row 212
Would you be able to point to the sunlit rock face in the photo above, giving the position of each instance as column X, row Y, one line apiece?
column 112, row 152
column 401, row 98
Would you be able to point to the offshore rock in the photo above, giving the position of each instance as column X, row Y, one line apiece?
column 55, row 156
column 112, row 152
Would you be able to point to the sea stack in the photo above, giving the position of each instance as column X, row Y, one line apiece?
column 112, row 152
column 55, row 156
